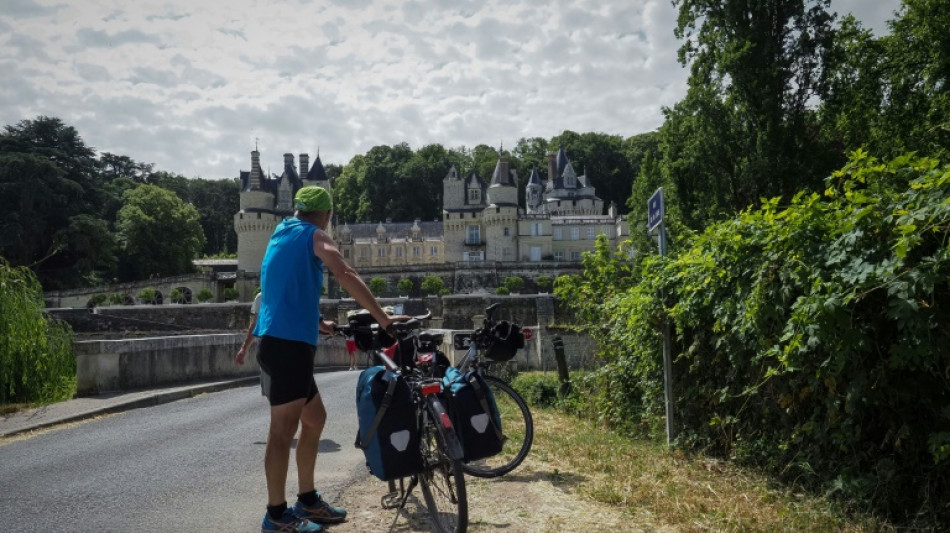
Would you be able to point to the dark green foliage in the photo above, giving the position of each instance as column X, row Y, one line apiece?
column 811, row 340
column 539, row 390
column 378, row 285
column 36, row 355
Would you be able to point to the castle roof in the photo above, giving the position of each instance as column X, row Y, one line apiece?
column 317, row 172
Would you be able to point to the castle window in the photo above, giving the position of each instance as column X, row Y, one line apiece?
column 591, row 234
column 415, row 251
column 474, row 196
column 575, row 234
column 346, row 253
column 536, row 229
column 575, row 256
column 558, row 256
column 558, row 234
column 474, row 235
column 433, row 251
column 507, row 232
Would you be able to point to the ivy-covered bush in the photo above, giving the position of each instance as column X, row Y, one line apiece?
column 811, row 338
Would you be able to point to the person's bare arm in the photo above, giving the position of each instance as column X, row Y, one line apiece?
column 326, row 250
column 242, row 352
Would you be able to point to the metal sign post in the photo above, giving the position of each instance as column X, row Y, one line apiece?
column 655, row 214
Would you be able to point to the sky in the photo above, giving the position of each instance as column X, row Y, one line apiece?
column 193, row 86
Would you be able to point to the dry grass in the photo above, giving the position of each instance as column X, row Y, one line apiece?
column 646, row 480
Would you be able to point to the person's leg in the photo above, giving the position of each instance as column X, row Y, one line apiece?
column 284, row 419
column 312, row 418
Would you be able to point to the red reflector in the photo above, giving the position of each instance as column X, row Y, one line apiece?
column 434, row 388
column 446, row 421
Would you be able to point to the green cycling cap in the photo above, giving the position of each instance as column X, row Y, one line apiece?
column 313, row 198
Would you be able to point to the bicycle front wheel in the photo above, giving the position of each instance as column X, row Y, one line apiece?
column 516, row 424
column 442, row 483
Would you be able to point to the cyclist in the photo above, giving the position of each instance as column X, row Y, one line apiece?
column 288, row 325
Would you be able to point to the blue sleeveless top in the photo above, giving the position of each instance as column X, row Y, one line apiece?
column 291, row 284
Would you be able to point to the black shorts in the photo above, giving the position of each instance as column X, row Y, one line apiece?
column 286, row 370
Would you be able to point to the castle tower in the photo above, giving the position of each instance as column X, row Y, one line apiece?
column 534, row 193
column 500, row 217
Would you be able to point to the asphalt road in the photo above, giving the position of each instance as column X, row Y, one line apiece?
column 191, row 465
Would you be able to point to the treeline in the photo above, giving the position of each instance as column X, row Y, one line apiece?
column 808, row 282
column 79, row 219
column 398, row 183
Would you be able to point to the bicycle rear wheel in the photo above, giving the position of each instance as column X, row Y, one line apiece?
column 516, row 424
column 443, row 484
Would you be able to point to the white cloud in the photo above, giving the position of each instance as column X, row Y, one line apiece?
column 190, row 85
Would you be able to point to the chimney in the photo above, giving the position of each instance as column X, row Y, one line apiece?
column 288, row 160
column 304, row 165
column 552, row 165
column 255, row 170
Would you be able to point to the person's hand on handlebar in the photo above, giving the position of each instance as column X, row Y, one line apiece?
column 327, row 327
column 387, row 326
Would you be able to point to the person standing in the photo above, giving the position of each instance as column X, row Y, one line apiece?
column 288, row 325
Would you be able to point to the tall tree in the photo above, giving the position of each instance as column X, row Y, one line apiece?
column 159, row 234
column 48, row 181
column 754, row 69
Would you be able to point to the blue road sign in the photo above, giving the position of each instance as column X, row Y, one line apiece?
column 655, row 210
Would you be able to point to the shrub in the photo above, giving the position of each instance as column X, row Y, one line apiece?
column 538, row 389
column 378, row 285
column 148, row 295
column 514, row 283
column 96, row 300
column 231, row 294
column 543, row 282
column 810, row 337
column 36, row 358
column 204, row 295
column 432, row 285
column 177, row 296
column 404, row 286
column 116, row 298
column 501, row 291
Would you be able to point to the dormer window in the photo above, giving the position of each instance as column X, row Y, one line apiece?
column 474, row 196
column 569, row 181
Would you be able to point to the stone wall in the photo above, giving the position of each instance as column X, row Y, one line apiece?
column 126, row 348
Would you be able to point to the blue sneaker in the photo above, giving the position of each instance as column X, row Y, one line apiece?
column 320, row 512
column 289, row 523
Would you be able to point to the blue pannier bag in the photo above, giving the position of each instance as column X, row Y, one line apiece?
column 474, row 414
column 388, row 430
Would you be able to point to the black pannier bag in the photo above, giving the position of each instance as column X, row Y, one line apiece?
column 474, row 414
column 505, row 341
column 388, row 428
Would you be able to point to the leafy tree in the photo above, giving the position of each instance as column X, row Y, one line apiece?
column 160, row 235
column 745, row 130
column 49, row 195
column 514, row 283
column 543, row 282
column 404, row 286
column 432, row 284
column 378, row 285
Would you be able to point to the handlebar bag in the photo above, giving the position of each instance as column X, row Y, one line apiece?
column 365, row 340
column 388, row 430
column 474, row 414
column 504, row 342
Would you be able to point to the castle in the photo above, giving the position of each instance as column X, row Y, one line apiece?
column 482, row 222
